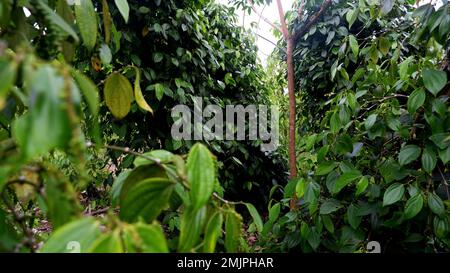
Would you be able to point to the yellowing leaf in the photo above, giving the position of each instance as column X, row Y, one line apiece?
column 138, row 93
column 118, row 95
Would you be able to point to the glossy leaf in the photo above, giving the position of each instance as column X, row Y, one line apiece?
column 86, row 19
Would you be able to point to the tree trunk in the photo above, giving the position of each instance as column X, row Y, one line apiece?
column 292, row 113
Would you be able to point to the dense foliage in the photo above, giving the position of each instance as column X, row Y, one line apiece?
column 374, row 129
column 88, row 164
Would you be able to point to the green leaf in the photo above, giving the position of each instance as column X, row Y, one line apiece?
column 393, row 194
column 351, row 17
column 157, row 57
column 233, row 227
column 86, row 19
column 442, row 140
column 89, row 90
column 413, row 206
column 118, row 95
column 144, row 238
column 429, row 160
column 353, row 44
column 55, row 19
column 387, row 6
column 105, row 54
column 384, row 45
column 145, row 199
column 361, row 186
column 434, row 80
column 46, row 125
column 329, row 206
column 212, row 233
column 124, row 9
column 82, row 233
column 256, row 217
column 435, row 204
column 274, row 212
column 162, row 155
column 352, row 216
column 345, row 179
column 8, row 72
column 192, row 222
column 328, row 223
column 107, row 21
column 370, row 121
column 201, row 172
column 138, row 93
column 108, row 243
column 300, row 188
column 445, row 155
column 408, row 154
column 326, row 167
column 416, row 100
column 159, row 90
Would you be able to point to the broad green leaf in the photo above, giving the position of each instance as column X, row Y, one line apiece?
column 408, row 154
column 386, row 7
column 384, row 45
column 441, row 227
column 370, row 121
column 162, row 155
column 159, row 90
column 117, row 186
column 8, row 77
column 256, row 217
column 105, row 54
column 192, row 221
column 86, row 19
column 416, row 100
column 138, row 93
column 434, row 80
column 352, row 216
column 413, row 206
column 144, row 238
column 118, row 95
column 201, row 173
column 212, row 233
column 429, row 160
column 353, row 44
column 361, row 186
column 326, row 167
column 139, row 174
column 345, row 179
column 124, row 9
column 274, row 212
column 435, row 204
column 442, row 140
column 351, row 16
column 108, row 243
column 327, row 222
column 444, row 155
column 81, row 233
column 46, row 125
column 157, row 57
column 329, row 206
column 393, row 194
column 233, row 231
column 89, row 90
column 55, row 19
column 300, row 188
column 146, row 199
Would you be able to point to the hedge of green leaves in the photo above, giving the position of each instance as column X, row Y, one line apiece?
column 374, row 130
